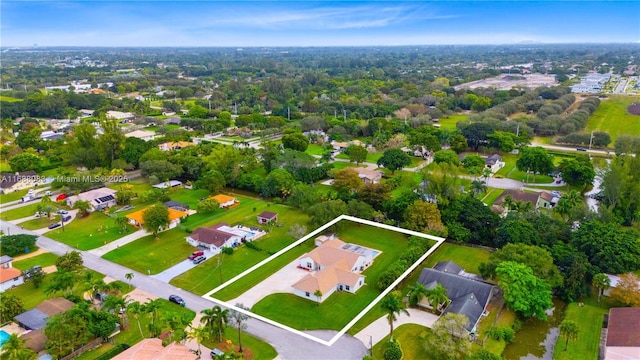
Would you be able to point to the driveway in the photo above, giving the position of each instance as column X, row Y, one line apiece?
column 378, row 329
column 279, row 282
column 120, row 242
column 180, row 268
column 289, row 346
column 71, row 213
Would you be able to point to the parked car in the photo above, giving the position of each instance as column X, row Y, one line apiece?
column 63, row 212
column 54, row 225
column 216, row 352
column 177, row 299
column 66, row 218
column 581, row 149
column 47, row 193
column 31, row 271
column 196, row 254
column 555, row 194
column 199, row 259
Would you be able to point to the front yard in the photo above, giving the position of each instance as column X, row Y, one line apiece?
column 21, row 212
column 341, row 307
column 412, row 339
column 44, row 260
column 89, row 232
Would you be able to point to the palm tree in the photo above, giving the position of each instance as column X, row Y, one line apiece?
column 563, row 207
column 437, row 296
column 478, row 187
column 601, row 282
column 14, row 349
column 136, row 310
column 573, row 198
column 416, row 293
column 177, row 324
column 215, row 320
column 117, row 303
column 152, row 308
column 569, row 329
column 239, row 321
column 509, row 203
column 392, row 304
column 129, row 276
column 486, row 173
column 199, row 334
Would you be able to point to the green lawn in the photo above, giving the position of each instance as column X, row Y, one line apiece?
column 5, row 167
column 44, row 260
column 411, row 337
column 510, row 171
column 148, row 254
column 9, row 98
column 315, row 149
column 339, row 165
column 39, row 223
column 449, row 122
column 506, row 319
column 341, row 307
column 83, row 234
column 492, row 195
column 589, row 319
column 13, row 196
column 189, row 197
column 131, row 335
column 612, row 117
column 21, row 212
column 260, row 349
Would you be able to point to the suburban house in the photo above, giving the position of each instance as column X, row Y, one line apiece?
column 225, row 201
column 215, row 237
column 494, row 162
column 153, row 349
column 36, row 318
column 266, row 217
column 334, row 266
column 172, row 120
column 120, row 116
column 99, row 199
column 51, row 135
column 623, row 334
column 539, row 200
column 467, row 293
column 167, row 184
column 369, row 176
column 10, row 277
column 339, row 146
column 142, row 135
column 136, row 218
column 11, row 182
column 176, row 205
column 174, row 145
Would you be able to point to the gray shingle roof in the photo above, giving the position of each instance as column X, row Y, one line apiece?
column 33, row 319
column 5, row 259
column 448, row 267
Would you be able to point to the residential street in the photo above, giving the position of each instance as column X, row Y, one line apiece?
column 289, row 346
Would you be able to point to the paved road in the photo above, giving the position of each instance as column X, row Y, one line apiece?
column 289, row 346
column 569, row 148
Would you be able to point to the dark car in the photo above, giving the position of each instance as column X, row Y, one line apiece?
column 53, row 226
column 199, row 259
column 581, row 149
column 177, row 299
column 196, row 254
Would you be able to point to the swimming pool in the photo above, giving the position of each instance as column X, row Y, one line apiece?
column 4, row 336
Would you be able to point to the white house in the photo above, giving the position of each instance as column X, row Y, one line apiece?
column 142, row 135
column 334, row 266
column 10, row 277
column 215, row 237
column 120, row 116
column 99, row 199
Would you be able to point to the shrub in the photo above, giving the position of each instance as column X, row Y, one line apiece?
column 227, row 250
column 501, row 333
column 393, row 351
column 253, row 246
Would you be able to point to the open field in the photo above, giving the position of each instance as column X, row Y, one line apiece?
column 341, row 307
column 612, row 117
column 449, row 122
column 89, row 232
column 148, row 254
column 315, row 149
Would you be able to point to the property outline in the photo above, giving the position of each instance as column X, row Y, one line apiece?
column 330, row 342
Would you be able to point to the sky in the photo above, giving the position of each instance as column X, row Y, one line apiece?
column 317, row 23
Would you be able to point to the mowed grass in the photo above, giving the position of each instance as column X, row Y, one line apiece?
column 510, row 171
column 449, row 122
column 39, row 223
column 20, row 212
column 89, row 232
column 315, row 149
column 9, row 99
column 341, row 307
column 44, row 260
column 259, row 349
column 612, row 117
column 491, row 196
column 158, row 255
column 412, row 339
column 589, row 319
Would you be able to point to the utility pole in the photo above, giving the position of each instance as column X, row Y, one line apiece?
column 590, row 140
column 209, row 104
column 518, row 130
column 288, row 113
column 344, row 115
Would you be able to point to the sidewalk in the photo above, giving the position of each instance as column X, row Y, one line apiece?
column 120, row 242
column 378, row 329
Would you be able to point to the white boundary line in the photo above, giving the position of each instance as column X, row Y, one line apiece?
column 438, row 240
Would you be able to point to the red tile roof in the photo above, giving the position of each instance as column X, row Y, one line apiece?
column 624, row 327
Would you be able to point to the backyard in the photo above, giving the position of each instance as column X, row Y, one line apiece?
column 341, row 307
column 412, row 339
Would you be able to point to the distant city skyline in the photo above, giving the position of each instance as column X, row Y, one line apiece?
column 327, row 23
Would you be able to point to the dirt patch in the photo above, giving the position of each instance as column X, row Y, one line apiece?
column 634, row 109
column 141, row 296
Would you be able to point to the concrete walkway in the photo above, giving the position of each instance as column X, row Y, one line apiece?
column 180, row 268
column 117, row 243
column 378, row 329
